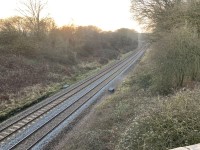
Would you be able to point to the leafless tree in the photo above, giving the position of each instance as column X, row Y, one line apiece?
column 154, row 13
column 32, row 10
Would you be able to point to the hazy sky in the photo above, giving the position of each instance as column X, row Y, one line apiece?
column 106, row 14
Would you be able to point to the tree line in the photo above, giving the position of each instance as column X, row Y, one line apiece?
column 34, row 33
column 19, row 37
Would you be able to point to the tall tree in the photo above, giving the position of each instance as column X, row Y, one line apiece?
column 159, row 14
column 32, row 10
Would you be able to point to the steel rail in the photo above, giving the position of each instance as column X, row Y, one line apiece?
column 39, row 139
column 115, row 73
column 99, row 75
column 88, row 81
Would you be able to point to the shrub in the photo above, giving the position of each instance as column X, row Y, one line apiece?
column 103, row 61
column 174, row 123
column 24, row 46
column 145, row 81
column 176, row 59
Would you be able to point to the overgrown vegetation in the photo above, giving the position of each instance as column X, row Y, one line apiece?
column 133, row 118
column 158, row 107
column 175, row 55
column 165, row 122
column 35, row 54
column 173, row 123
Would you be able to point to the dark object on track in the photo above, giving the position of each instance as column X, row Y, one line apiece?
column 111, row 90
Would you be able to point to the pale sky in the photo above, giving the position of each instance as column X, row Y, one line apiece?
column 105, row 14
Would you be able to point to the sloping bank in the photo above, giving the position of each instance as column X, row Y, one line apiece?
column 133, row 118
column 33, row 94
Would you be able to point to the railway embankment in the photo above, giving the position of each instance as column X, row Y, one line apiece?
column 32, row 128
column 134, row 118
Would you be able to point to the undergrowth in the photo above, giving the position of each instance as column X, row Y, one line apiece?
column 28, row 90
column 174, row 123
column 135, row 118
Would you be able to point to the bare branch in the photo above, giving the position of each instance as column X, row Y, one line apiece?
column 32, row 10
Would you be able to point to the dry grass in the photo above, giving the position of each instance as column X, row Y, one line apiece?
column 174, row 122
column 133, row 118
column 25, row 98
column 108, row 121
column 24, row 81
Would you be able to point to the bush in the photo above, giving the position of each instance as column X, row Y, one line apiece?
column 103, row 61
column 145, row 81
column 174, row 123
column 24, row 46
column 8, row 37
column 176, row 59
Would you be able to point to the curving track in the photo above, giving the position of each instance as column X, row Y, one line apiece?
column 27, row 129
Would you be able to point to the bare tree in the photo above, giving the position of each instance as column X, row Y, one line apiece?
column 157, row 13
column 32, row 10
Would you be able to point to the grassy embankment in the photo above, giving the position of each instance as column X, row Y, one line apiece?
column 134, row 118
column 42, row 83
column 35, row 64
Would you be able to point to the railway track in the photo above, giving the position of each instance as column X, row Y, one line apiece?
column 29, row 129
column 43, row 109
